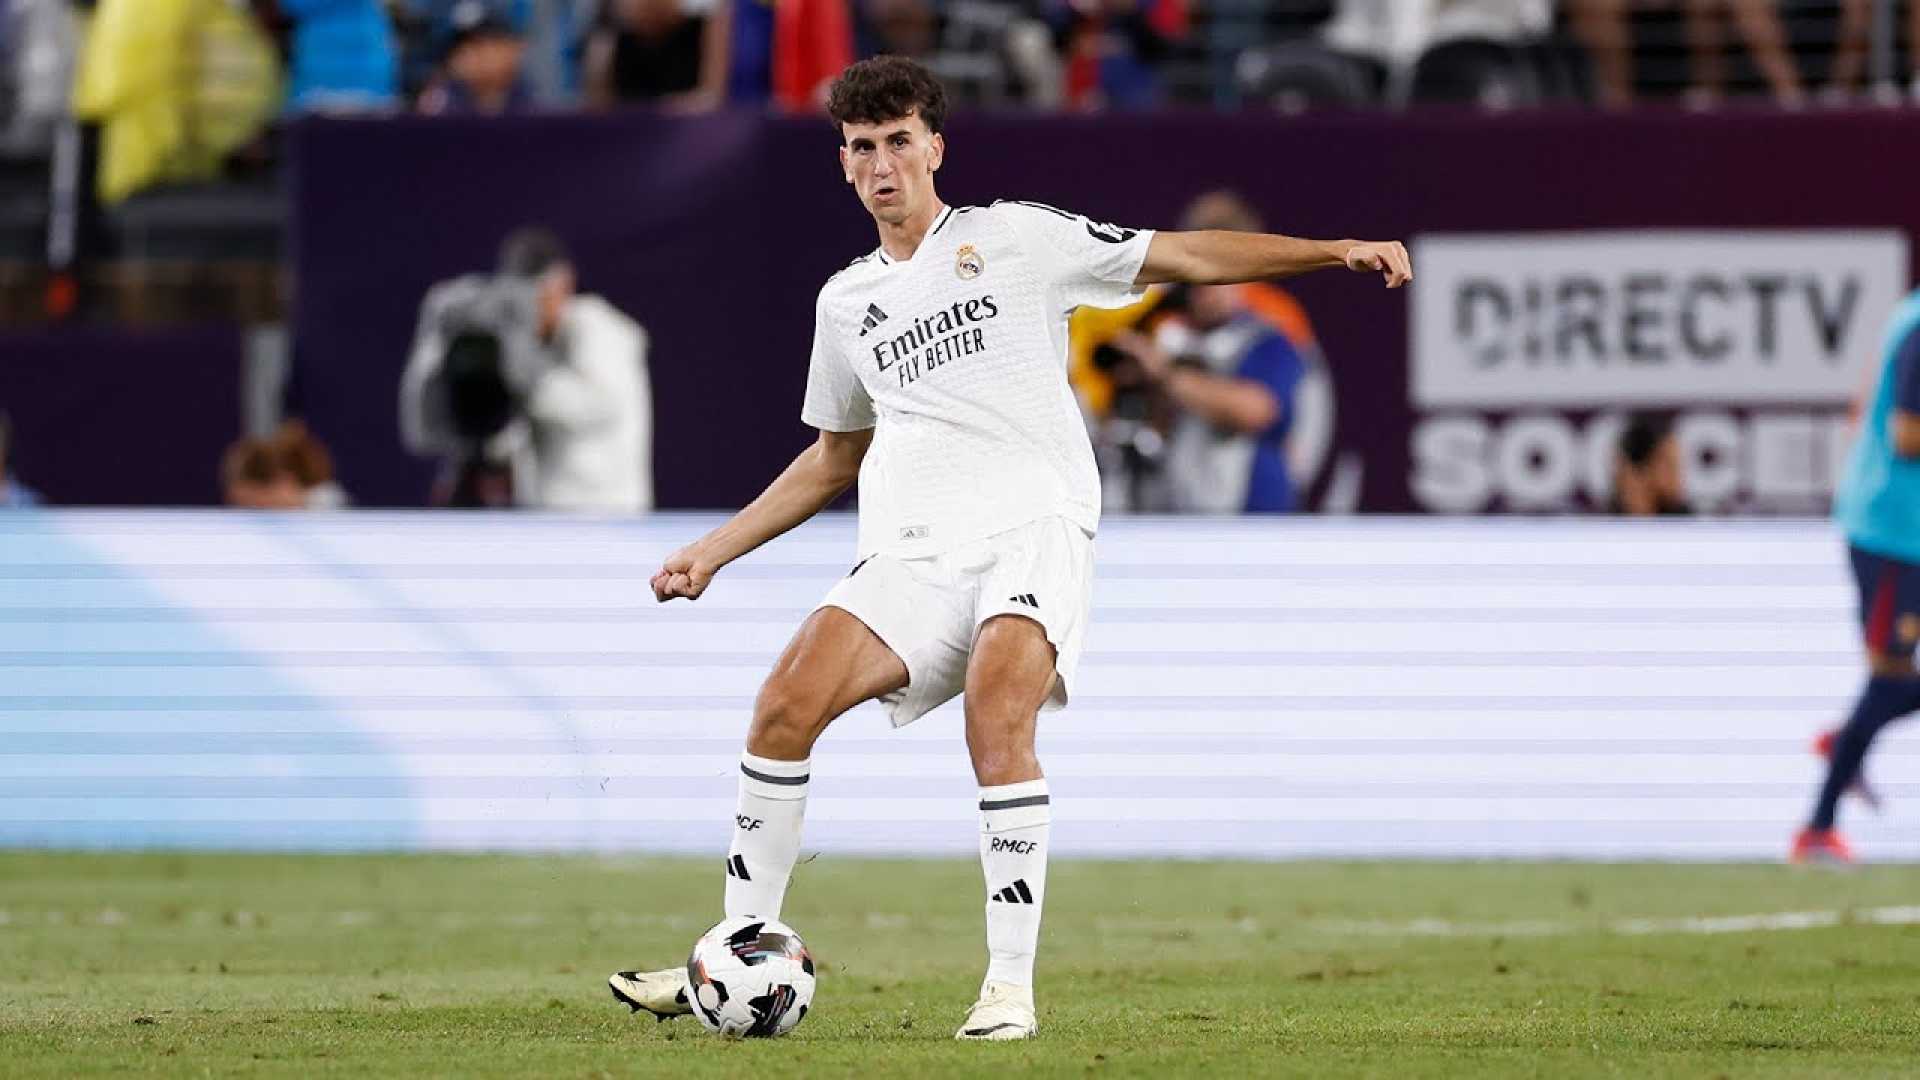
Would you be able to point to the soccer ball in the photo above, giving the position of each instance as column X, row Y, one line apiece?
column 750, row 978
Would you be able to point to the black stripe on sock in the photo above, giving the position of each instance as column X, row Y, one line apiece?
column 1009, row 804
column 768, row 778
column 1025, row 895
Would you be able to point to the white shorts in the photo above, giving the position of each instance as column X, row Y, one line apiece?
column 928, row 609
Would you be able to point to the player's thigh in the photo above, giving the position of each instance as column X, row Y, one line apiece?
column 833, row 663
column 1889, row 611
column 1009, row 677
column 1043, row 572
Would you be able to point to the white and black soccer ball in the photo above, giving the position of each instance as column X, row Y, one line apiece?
column 750, row 978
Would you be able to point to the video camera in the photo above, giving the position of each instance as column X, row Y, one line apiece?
column 490, row 355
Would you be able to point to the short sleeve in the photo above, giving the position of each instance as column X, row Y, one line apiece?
column 835, row 399
column 1276, row 365
column 1086, row 262
column 1906, row 374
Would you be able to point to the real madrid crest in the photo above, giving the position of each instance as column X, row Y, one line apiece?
column 967, row 263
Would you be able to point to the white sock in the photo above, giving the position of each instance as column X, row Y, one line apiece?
column 766, row 834
column 1014, row 825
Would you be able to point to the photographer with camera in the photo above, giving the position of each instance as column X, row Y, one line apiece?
column 1205, row 399
column 533, row 394
column 1223, row 383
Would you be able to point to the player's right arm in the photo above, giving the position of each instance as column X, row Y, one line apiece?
column 816, row 478
column 836, row 404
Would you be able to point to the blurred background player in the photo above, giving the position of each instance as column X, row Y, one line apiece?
column 1878, row 507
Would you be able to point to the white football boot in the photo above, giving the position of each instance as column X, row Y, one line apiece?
column 662, row 993
column 1004, row 1011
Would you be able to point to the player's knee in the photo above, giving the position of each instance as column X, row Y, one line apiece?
column 998, row 761
column 787, row 718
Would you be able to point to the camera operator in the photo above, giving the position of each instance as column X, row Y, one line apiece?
column 536, row 395
column 1221, row 382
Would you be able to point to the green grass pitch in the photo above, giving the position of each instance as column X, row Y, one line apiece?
column 473, row 966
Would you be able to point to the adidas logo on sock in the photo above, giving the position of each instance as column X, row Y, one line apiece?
column 1016, row 893
column 874, row 318
column 1027, row 599
column 737, row 867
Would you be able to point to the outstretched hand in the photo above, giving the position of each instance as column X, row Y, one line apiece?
column 1387, row 256
column 682, row 574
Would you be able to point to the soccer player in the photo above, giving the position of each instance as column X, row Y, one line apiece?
column 1878, row 507
column 938, row 379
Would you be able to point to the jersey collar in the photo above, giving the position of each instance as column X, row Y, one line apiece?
column 939, row 222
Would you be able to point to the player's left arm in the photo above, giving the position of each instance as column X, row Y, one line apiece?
column 1213, row 257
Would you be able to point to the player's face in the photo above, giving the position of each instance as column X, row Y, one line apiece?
column 891, row 165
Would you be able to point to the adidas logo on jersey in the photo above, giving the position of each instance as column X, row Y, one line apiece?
column 1027, row 599
column 874, row 318
column 1016, row 893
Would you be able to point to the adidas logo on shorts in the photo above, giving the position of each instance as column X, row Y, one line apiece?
column 1027, row 599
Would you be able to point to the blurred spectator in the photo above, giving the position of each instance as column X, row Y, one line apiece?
column 591, row 409
column 554, row 32
column 903, row 27
column 481, row 71
column 812, row 44
column 307, row 458
column 664, row 52
column 256, row 475
column 1646, row 470
column 14, row 495
column 1113, row 47
column 533, row 394
column 1602, row 26
column 39, row 46
column 176, row 86
column 750, row 51
column 556, row 49
column 1394, row 33
column 1133, row 420
column 1229, row 381
column 1852, row 42
column 344, row 58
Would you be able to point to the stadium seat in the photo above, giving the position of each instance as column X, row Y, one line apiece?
column 1470, row 71
column 1294, row 76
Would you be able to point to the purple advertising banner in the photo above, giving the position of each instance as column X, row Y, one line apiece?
column 106, row 417
column 716, row 233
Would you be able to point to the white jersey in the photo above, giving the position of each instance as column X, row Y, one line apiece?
column 958, row 357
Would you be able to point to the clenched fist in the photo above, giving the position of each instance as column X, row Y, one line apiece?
column 683, row 574
column 1387, row 256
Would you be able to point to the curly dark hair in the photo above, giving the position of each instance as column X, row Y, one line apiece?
column 884, row 88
